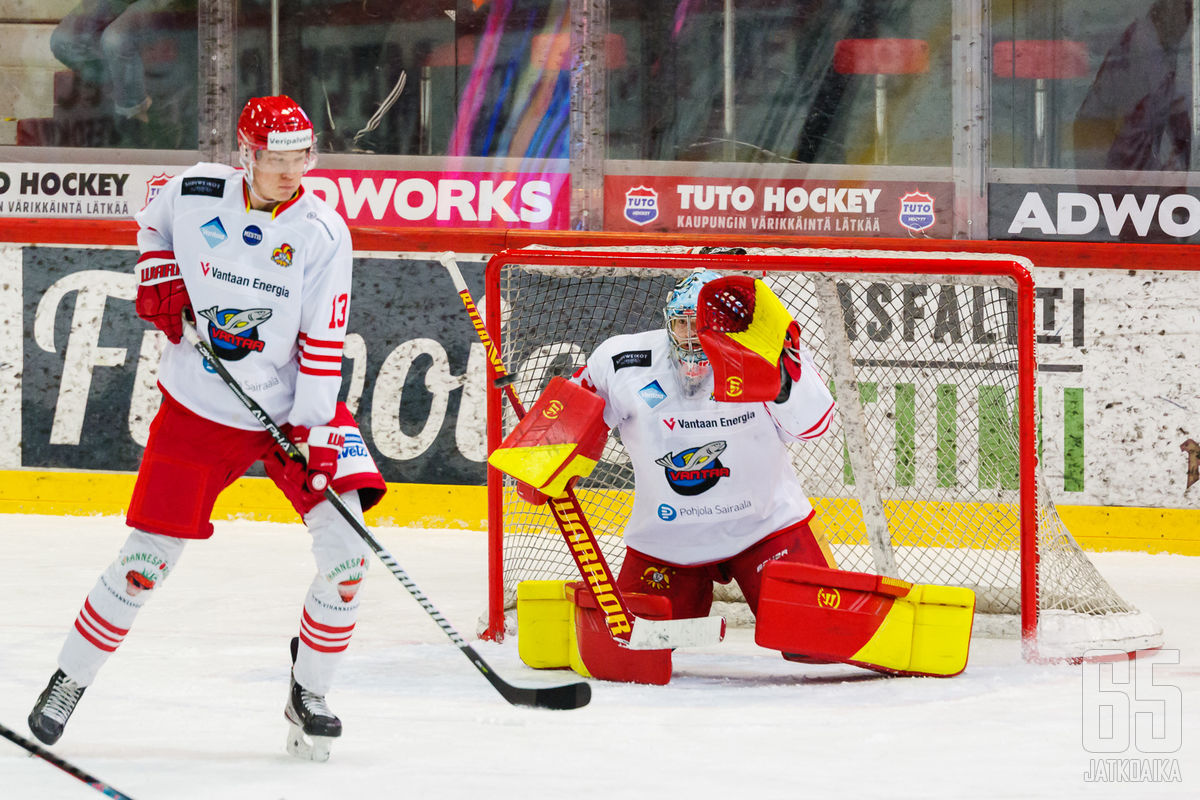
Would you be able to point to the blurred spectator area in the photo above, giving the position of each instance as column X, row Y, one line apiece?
column 47, row 104
column 27, row 68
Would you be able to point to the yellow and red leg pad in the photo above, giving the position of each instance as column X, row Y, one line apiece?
column 544, row 620
column 594, row 654
column 560, row 439
column 870, row 621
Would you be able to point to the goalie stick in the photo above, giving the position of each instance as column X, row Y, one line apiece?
column 66, row 766
column 626, row 629
column 567, row 696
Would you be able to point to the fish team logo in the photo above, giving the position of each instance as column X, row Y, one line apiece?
column 214, row 232
column 694, row 471
column 283, row 255
column 154, row 186
column 641, row 205
column 916, row 211
column 234, row 331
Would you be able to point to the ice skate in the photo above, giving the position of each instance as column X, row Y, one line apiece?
column 53, row 707
column 313, row 727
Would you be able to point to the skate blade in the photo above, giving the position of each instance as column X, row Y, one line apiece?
column 308, row 748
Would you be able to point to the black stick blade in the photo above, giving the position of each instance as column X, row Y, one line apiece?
column 558, row 698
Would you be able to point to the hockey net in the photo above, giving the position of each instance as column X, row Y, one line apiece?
column 928, row 473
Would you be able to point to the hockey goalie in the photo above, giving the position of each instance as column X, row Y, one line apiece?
column 705, row 407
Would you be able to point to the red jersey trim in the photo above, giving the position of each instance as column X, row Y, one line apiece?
column 305, row 340
column 321, row 373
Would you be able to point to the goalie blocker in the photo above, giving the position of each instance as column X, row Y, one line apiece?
column 556, row 443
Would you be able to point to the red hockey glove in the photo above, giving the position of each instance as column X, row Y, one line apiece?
column 162, row 295
column 320, row 446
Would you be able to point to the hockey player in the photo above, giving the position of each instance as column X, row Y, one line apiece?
column 267, row 269
column 716, row 496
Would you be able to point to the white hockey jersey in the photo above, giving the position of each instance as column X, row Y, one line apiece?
column 711, row 478
column 271, row 293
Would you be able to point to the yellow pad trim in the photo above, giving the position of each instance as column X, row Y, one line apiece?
column 767, row 330
column 544, row 619
column 926, row 632
column 890, row 646
column 545, row 467
column 533, row 465
column 942, row 629
column 577, row 467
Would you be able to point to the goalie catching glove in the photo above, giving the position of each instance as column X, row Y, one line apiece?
column 558, row 441
column 750, row 339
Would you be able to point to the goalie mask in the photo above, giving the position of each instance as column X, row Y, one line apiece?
column 275, row 136
column 680, row 314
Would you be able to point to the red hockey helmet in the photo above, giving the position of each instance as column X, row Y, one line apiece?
column 274, row 123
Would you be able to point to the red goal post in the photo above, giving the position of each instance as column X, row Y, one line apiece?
column 928, row 474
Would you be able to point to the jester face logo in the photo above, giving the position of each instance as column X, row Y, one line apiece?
column 282, row 255
column 657, row 577
column 694, row 471
column 234, row 332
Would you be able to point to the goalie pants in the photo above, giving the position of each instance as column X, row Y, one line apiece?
column 690, row 587
column 188, row 461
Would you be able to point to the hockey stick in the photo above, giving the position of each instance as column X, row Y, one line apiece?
column 626, row 629
column 572, row 695
column 66, row 766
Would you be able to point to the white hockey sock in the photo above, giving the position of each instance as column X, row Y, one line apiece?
column 326, row 626
column 331, row 605
column 113, row 603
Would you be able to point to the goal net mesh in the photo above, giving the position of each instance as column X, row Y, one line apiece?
column 917, row 477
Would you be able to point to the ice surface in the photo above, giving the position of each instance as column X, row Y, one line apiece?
column 191, row 706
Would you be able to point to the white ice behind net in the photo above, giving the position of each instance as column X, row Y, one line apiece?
column 917, row 477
